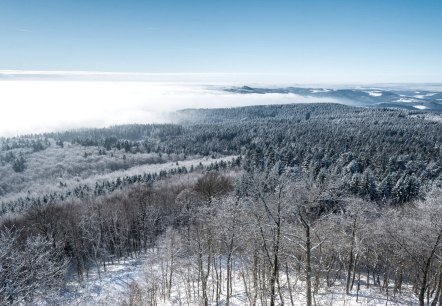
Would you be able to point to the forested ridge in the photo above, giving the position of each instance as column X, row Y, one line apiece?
column 303, row 197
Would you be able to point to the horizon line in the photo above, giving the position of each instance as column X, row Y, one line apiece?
column 284, row 78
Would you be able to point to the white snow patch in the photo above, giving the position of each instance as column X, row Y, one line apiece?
column 420, row 107
column 405, row 100
column 320, row 90
column 374, row 93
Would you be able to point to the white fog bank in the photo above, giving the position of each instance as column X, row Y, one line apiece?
column 35, row 106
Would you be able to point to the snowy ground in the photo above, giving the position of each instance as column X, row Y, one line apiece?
column 114, row 287
column 110, row 289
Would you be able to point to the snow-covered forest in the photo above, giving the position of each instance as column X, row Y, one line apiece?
column 305, row 204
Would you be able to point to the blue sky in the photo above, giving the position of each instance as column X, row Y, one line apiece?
column 324, row 41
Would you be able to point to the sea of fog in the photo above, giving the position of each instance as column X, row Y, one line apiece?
column 42, row 105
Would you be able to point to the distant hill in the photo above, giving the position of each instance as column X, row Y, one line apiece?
column 373, row 97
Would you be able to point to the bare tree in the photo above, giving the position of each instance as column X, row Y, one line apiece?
column 29, row 269
column 213, row 184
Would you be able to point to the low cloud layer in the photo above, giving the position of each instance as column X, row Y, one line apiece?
column 34, row 106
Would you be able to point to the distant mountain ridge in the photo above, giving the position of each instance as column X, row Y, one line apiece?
column 375, row 97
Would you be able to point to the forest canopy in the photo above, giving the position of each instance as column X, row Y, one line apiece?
column 328, row 194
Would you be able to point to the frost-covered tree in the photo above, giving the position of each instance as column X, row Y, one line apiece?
column 30, row 270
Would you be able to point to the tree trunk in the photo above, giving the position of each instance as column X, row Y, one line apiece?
column 350, row 258
column 275, row 268
column 229, row 278
column 438, row 295
column 426, row 271
column 308, row 266
column 423, row 287
column 289, row 285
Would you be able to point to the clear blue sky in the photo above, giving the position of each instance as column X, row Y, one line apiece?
column 397, row 39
